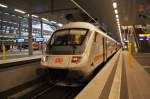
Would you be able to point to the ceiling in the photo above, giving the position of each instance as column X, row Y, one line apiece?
column 102, row 10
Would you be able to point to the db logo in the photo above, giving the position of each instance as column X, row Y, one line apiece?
column 58, row 60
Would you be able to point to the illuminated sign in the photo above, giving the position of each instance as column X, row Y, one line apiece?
column 20, row 40
column 39, row 39
column 58, row 60
column 144, row 37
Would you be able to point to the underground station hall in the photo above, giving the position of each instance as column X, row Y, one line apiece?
column 74, row 49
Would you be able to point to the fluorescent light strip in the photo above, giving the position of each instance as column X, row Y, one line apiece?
column 20, row 11
column 5, row 21
column 53, row 22
column 10, row 22
column 35, row 16
column 45, row 19
column 116, row 11
column 4, row 6
column 114, row 5
column 6, row 13
column 13, row 15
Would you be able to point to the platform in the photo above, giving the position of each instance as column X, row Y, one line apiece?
column 121, row 78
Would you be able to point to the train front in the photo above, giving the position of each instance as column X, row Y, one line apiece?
column 65, row 57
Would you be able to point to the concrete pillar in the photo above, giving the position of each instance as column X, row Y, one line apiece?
column 30, row 35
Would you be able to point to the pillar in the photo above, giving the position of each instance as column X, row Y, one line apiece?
column 30, row 35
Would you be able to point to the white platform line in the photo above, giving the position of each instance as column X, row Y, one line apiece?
column 95, row 87
column 116, row 85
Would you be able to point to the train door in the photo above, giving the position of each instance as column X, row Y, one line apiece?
column 93, row 51
column 98, row 52
column 104, row 40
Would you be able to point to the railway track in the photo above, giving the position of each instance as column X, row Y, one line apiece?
column 48, row 91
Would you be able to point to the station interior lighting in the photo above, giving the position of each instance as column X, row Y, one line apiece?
column 45, row 19
column 59, row 24
column 13, row 15
column 4, row 6
column 116, row 11
column 20, row 11
column 6, row 13
column 35, row 16
column 10, row 22
column 53, row 22
column 5, row 21
column 117, row 16
column 117, row 19
column 114, row 5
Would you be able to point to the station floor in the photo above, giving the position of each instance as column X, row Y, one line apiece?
column 17, row 55
column 137, row 73
column 129, row 79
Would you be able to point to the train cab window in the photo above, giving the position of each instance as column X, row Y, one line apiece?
column 68, row 37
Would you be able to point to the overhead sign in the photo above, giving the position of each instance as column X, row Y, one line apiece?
column 143, row 37
column 39, row 39
column 20, row 40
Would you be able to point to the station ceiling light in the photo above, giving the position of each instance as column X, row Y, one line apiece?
column 4, row 6
column 59, row 24
column 6, row 13
column 45, row 19
column 13, row 15
column 10, row 22
column 117, row 16
column 53, row 22
column 5, row 21
column 20, row 11
column 114, row 5
column 117, row 20
column 35, row 16
column 116, row 11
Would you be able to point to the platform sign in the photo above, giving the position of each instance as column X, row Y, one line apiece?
column 143, row 37
column 39, row 39
column 20, row 40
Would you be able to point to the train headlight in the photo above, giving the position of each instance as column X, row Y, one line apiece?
column 76, row 59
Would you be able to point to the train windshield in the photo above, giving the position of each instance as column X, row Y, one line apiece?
column 68, row 37
column 67, row 42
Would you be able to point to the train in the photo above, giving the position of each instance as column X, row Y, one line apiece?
column 74, row 51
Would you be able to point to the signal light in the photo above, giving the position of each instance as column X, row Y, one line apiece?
column 75, row 59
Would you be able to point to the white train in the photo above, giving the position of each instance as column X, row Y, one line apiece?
column 75, row 51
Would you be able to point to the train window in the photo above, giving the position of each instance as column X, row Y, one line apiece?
column 68, row 37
